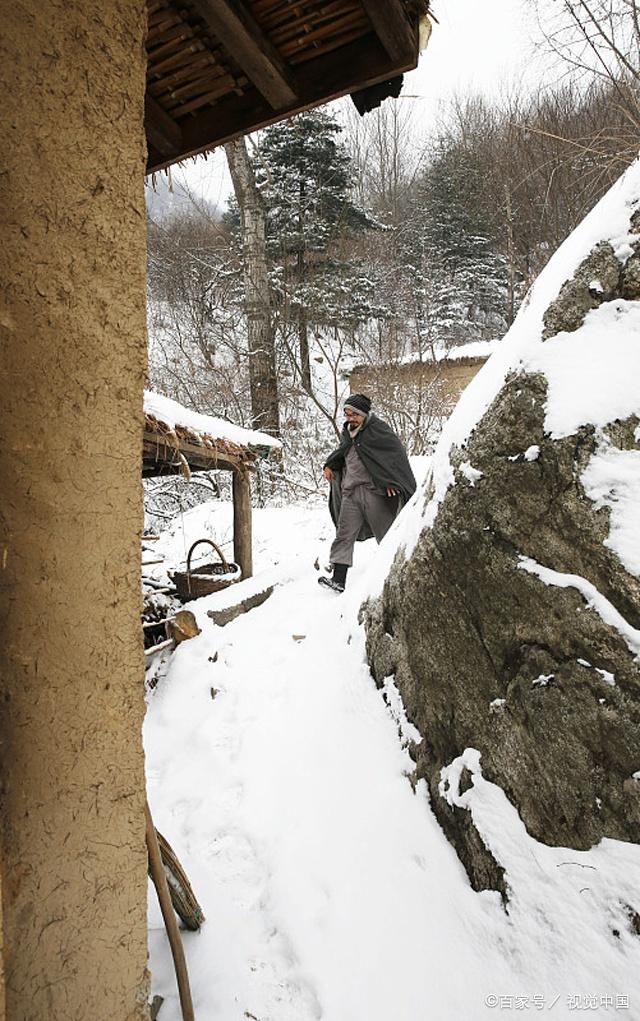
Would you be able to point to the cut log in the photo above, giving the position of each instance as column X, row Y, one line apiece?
column 157, row 586
column 182, row 626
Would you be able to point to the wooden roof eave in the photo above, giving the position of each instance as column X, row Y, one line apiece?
column 165, row 454
column 275, row 90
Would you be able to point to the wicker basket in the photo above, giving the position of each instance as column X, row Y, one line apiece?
column 208, row 578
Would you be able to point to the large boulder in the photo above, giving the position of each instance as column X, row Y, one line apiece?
column 512, row 625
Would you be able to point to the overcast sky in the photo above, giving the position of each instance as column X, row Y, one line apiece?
column 478, row 47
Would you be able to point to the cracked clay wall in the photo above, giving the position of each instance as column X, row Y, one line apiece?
column 72, row 329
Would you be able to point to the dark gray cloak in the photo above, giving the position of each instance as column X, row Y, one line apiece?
column 384, row 457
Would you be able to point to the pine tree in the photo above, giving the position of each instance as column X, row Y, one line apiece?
column 305, row 176
column 460, row 274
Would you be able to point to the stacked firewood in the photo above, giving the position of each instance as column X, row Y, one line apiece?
column 164, row 623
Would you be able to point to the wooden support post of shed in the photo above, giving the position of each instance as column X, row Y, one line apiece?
column 242, row 542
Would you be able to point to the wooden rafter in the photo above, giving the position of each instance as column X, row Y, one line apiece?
column 219, row 69
column 245, row 41
column 162, row 131
column 161, row 456
column 333, row 75
column 394, row 31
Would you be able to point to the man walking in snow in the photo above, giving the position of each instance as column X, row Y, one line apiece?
column 370, row 480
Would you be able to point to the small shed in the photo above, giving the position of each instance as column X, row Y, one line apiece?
column 450, row 370
column 177, row 440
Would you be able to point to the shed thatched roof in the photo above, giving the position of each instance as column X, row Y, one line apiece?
column 177, row 439
column 218, row 69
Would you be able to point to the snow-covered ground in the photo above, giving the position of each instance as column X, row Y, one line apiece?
column 279, row 774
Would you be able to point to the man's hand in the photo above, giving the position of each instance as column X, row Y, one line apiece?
column 392, row 492
column 328, row 474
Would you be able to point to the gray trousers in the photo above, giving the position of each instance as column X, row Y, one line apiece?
column 359, row 505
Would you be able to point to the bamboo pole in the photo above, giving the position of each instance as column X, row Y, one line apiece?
column 162, row 888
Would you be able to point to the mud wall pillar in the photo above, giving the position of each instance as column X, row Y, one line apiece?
column 72, row 342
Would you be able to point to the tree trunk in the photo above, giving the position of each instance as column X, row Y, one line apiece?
column 511, row 283
column 265, row 412
column 303, row 326
column 303, row 333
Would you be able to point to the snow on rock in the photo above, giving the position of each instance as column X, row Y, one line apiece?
column 394, row 701
column 451, row 775
column 612, row 480
column 597, row 387
column 543, row 680
column 623, row 247
column 483, row 594
column 591, row 382
column 470, row 473
column 594, row 599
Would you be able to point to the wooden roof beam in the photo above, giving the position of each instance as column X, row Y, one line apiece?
column 245, row 41
column 162, row 131
column 351, row 67
column 391, row 25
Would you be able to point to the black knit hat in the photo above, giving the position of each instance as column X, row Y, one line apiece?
column 359, row 403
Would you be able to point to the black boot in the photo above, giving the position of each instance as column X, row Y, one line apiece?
column 338, row 580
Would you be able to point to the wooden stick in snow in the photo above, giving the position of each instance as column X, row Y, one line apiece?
column 159, row 878
column 159, row 647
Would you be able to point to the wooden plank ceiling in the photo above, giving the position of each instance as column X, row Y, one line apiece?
column 221, row 68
